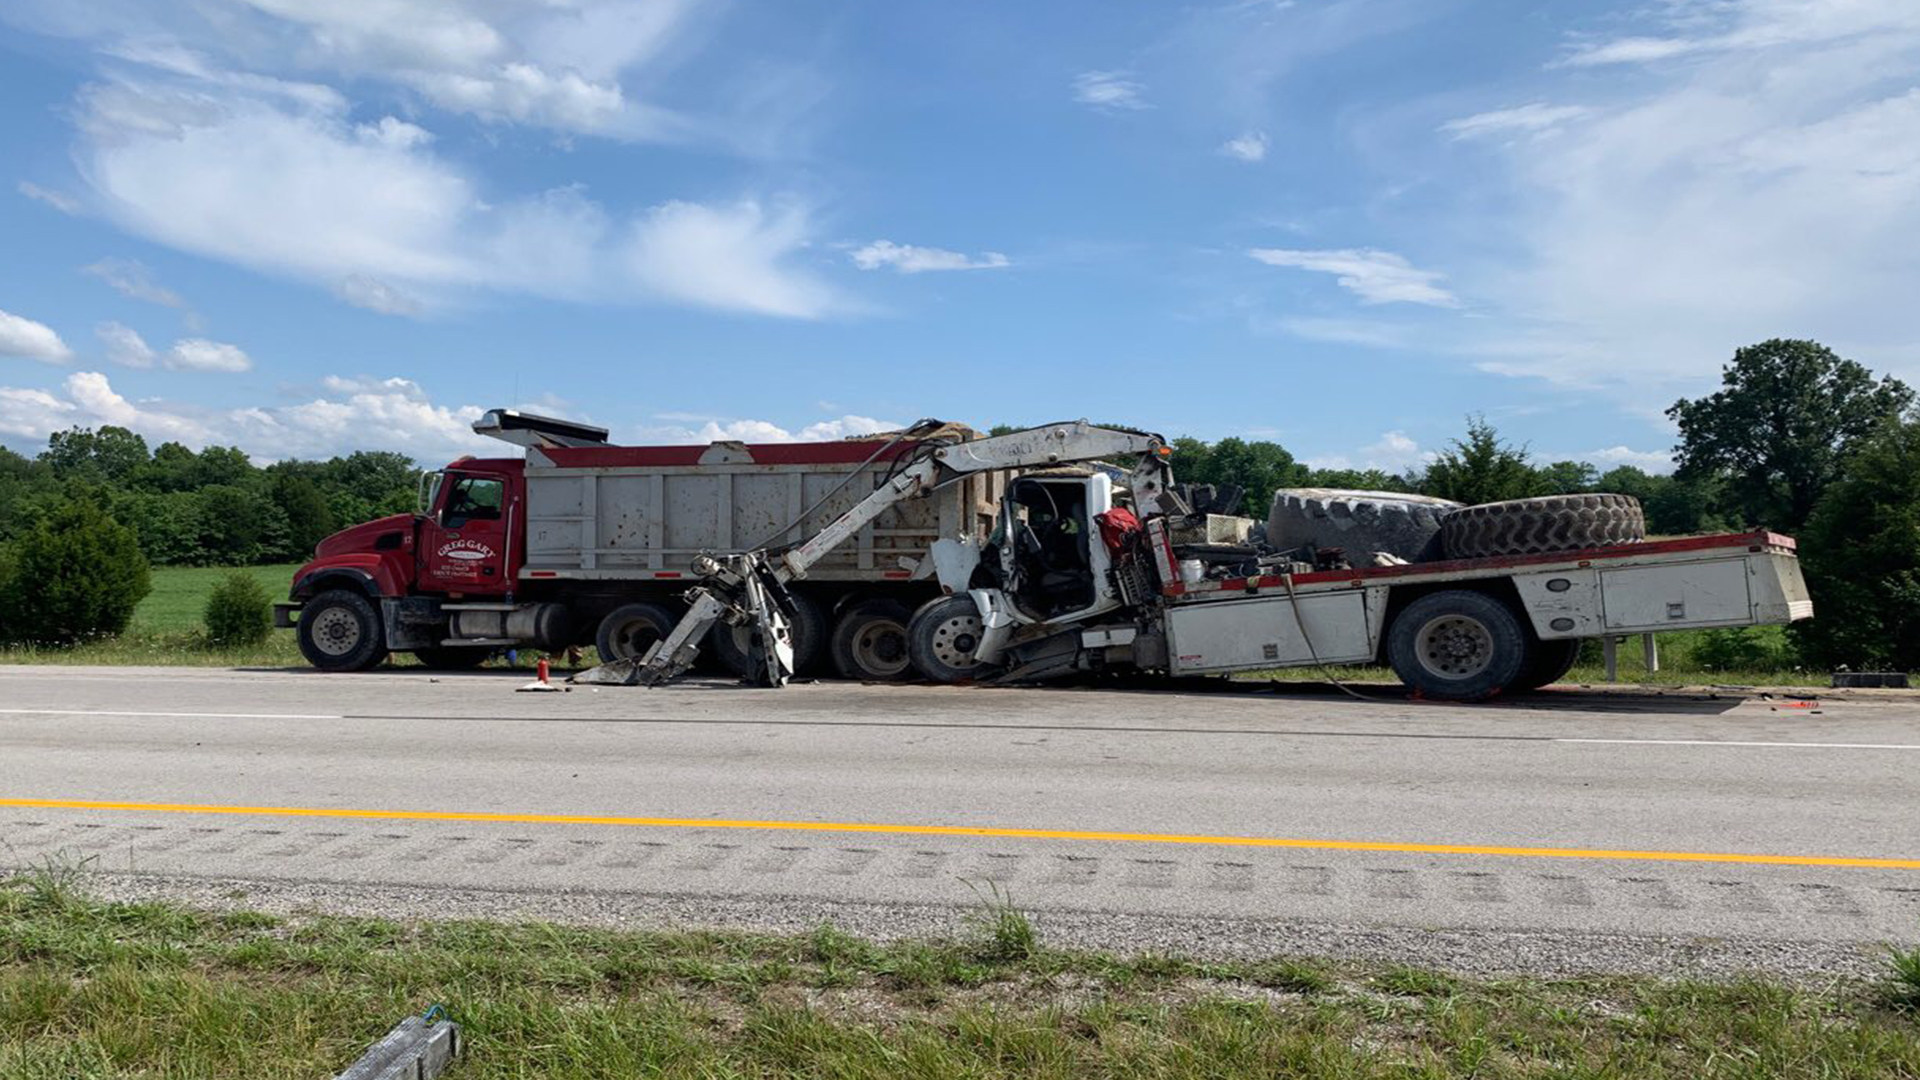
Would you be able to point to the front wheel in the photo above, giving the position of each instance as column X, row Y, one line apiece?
column 942, row 637
column 340, row 630
column 1457, row 645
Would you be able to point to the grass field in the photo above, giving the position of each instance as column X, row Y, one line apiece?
column 123, row 990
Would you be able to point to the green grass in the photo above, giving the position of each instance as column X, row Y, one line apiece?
column 180, row 593
column 151, row 990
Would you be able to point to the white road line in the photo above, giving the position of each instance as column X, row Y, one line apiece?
column 186, row 715
column 1731, row 742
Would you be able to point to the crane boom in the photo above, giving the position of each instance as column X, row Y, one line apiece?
column 749, row 587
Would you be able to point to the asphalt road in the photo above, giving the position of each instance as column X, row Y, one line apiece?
column 1682, row 818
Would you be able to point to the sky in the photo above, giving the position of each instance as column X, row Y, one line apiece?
column 306, row 227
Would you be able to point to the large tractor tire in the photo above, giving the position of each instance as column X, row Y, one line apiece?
column 1538, row 526
column 733, row 645
column 870, row 641
column 340, row 630
column 1458, row 645
column 1358, row 522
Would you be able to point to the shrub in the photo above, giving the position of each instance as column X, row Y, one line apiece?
column 1861, row 553
column 1742, row 648
column 238, row 612
column 76, row 575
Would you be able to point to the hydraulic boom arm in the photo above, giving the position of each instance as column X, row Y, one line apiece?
column 746, row 587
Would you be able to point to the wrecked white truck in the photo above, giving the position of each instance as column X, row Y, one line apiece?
column 1114, row 569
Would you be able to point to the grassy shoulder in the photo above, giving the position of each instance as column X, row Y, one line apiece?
column 99, row 989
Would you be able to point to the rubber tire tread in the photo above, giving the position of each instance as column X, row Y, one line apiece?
column 848, row 626
column 809, row 641
column 920, row 633
column 453, row 657
column 1548, row 664
column 663, row 619
column 1358, row 522
column 1512, row 645
column 1538, row 526
column 372, row 648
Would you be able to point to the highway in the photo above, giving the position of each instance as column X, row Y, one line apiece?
column 1247, row 812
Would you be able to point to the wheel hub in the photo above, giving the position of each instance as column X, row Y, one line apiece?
column 1455, row 646
column 336, row 632
column 955, row 640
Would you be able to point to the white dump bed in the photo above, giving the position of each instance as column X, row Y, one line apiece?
column 644, row 512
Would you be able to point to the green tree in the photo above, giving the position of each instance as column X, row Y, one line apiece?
column 309, row 518
column 77, row 575
column 112, row 453
column 1861, row 553
column 1482, row 468
column 173, row 468
column 1569, row 478
column 238, row 612
column 1786, row 415
column 1258, row 468
column 238, row 525
column 1357, row 480
column 1674, row 507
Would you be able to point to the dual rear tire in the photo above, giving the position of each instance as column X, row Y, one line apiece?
column 1462, row 645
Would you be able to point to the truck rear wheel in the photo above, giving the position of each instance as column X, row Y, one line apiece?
column 733, row 645
column 1458, row 645
column 340, row 630
column 870, row 641
column 941, row 639
column 630, row 630
column 1550, row 662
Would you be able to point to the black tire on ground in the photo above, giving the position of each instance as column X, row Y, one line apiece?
column 630, row 630
column 1548, row 664
column 1535, row 526
column 870, row 641
column 732, row 644
column 941, row 638
column 1458, row 645
column 1358, row 522
column 454, row 657
column 340, row 630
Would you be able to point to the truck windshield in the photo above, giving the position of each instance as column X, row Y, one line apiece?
column 429, row 492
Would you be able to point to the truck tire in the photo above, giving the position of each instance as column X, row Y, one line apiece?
column 941, row 638
column 870, row 641
column 1549, row 663
column 630, row 630
column 732, row 644
column 1458, row 645
column 1358, row 522
column 340, row 630
column 1537, row 526
column 454, row 657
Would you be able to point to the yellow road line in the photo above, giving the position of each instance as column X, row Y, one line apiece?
column 970, row 830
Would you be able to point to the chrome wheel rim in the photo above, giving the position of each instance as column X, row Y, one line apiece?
column 955, row 639
column 880, row 647
column 1455, row 646
column 336, row 631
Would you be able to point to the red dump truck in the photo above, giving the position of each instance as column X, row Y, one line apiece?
column 586, row 543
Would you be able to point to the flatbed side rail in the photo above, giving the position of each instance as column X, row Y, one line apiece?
column 1755, row 542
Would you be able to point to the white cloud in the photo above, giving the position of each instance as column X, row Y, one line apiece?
column 678, row 429
column 1249, row 146
column 1393, row 452
column 367, row 291
column 729, row 257
column 199, row 354
column 59, row 200
column 350, row 414
column 372, row 212
column 1535, row 118
column 1748, row 193
column 132, row 278
column 1108, row 90
column 907, row 259
column 22, row 337
column 1653, row 461
column 1376, row 277
column 124, row 345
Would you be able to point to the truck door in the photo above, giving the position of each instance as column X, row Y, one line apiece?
column 464, row 543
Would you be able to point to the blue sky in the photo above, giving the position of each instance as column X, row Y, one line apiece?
column 304, row 227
